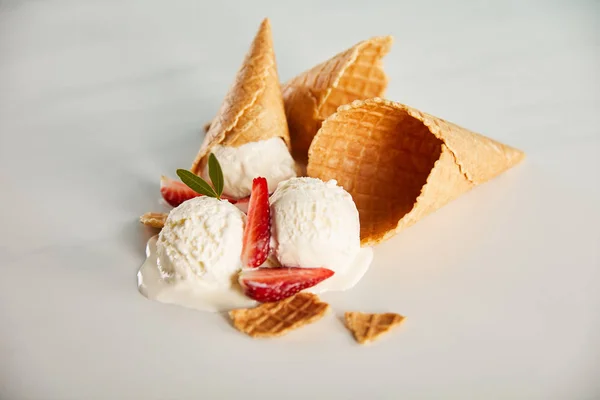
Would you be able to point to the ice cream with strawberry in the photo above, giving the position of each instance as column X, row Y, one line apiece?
column 195, row 257
column 315, row 242
column 211, row 256
column 315, row 224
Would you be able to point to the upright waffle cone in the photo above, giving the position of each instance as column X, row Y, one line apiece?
column 400, row 164
column 253, row 108
column 312, row 96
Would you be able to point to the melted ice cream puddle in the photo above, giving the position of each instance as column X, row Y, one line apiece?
column 205, row 297
column 186, row 293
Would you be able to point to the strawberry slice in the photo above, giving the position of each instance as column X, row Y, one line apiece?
column 257, row 235
column 274, row 284
column 175, row 192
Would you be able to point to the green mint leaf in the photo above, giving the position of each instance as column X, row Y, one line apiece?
column 196, row 183
column 216, row 174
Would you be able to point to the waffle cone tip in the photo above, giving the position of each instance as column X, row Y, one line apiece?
column 253, row 107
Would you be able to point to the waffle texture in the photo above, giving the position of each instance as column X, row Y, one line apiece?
column 368, row 327
column 277, row 319
column 312, row 96
column 253, row 108
column 400, row 164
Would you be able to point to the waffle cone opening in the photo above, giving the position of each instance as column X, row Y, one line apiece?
column 400, row 164
column 384, row 172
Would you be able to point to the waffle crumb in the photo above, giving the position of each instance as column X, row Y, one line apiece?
column 367, row 328
column 154, row 220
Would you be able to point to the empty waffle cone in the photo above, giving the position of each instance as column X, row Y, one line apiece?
column 400, row 164
column 312, row 96
column 253, row 107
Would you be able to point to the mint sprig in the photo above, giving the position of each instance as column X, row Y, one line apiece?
column 199, row 185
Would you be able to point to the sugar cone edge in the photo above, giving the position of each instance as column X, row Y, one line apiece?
column 383, row 42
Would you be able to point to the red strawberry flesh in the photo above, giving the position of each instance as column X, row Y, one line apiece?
column 257, row 234
column 238, row 201
column 175, row 192
column 273, row 284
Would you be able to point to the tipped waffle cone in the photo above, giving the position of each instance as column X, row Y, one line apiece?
column 253, row 108
column 277, row 319
column 312, row 96
column 154, row 220
column 367, row 328
column 400, row 164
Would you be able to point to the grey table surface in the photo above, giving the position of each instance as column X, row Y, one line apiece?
column 99, row 98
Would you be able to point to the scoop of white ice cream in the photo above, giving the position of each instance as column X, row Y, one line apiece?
column 315, row 224
column 267, row 158
column 202, row 240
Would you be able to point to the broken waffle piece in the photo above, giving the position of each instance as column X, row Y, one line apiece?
column 277, row 319
column 367, row 328
column 154, row 220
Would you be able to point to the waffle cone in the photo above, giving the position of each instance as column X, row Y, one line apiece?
column 253, row 108
column 400, row 164
column 312, row 96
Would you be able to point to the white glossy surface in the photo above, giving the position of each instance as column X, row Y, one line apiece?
column 99, row 98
